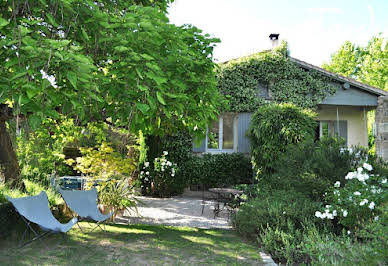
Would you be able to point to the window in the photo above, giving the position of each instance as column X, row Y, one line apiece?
column 221, row 134
column 332, row 128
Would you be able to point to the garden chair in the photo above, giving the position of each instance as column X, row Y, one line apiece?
column 35, row 209
column 84, row 204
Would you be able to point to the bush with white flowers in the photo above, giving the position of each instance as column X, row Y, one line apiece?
column 159, row 180
column 356, row 201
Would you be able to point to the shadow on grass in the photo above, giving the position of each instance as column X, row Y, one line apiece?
column 134, row 244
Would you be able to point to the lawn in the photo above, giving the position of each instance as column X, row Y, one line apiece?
column 135, row 245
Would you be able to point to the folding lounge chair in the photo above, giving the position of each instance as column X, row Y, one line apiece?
column 35, row 209
column 84, row 203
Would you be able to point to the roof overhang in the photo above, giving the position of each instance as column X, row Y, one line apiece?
column 337, row 77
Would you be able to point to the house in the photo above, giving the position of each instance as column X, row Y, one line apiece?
column 343, row 112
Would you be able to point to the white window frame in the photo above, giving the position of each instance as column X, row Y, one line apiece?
column 220, row 137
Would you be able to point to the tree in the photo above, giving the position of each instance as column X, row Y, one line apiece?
column 274, row 127
column 116, row 61
column 368, row 64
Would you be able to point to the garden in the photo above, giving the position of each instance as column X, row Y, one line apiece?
column 114, row 93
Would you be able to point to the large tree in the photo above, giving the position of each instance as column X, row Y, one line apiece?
column 117, row 61
column 368, row 64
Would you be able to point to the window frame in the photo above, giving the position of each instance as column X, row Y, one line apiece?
column 220, row 136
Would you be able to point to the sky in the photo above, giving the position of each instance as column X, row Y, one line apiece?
column 314, row 29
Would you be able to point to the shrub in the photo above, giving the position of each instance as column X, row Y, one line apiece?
column 117, row 195
column 160, row 178
column 355, row 201
column 273, row 128
column 277, row 209
column 217, row 170
column 312, row 167
column 325, row 248
column 103, row 162
column 277, row 220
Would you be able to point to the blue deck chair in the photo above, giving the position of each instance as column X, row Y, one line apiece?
column 84, row 204
column 35, row 209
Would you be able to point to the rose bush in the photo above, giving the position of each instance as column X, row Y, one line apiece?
column 159, row 179
column 356, row 201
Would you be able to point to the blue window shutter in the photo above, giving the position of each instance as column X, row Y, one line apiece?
column 244, row 120
column 200, row 148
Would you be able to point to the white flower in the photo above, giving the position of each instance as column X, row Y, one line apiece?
column 50, row 78
column 172, row 174
column 384, row 181
column 165, row 153
column 334, row 213
column 163, row 163
column 362, row 177
column 169, row 163
column 327, row 207
column 376, row 218
column 318, row 214
column 162, row 169
column 337, row 184
column 147, row 173
column 359, row 170
column 345, row 213
column 371, row 205
column 350, row 175
column 146, row 164
column 146, row 179
column 349, row 232
column 363, row 202
column 142, row 172
column 357, row 193
column 367, row 166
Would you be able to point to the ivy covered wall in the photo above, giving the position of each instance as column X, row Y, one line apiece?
column 240, row 81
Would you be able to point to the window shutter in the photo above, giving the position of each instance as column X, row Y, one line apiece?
column 244, row 120
column 343, row 129
column 200, row 148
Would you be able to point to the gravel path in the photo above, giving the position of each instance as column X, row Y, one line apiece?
column 177, row 211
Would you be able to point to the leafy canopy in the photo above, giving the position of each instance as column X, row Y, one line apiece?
column 368, row 64
column 119, row 61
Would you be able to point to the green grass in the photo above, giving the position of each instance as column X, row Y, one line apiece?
column 134, row 245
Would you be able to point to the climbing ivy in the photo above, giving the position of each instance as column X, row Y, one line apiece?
column 239, row 81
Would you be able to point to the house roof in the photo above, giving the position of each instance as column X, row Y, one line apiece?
column 359, row 85
column 335, row 76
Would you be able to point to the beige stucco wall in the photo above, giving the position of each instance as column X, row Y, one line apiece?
column 357, row 121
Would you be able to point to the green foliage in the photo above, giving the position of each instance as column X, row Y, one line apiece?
column 312, row 167
column 358, row 199
column 44, row 151
column 160, row 178
column 102, row 162
column 116, row 60
column 277, row 220
column 325, row 248
column 117, row 194
column 367, row 64
column 217, row 170
column 239, row 81
column 179, row 146
column 273, row 128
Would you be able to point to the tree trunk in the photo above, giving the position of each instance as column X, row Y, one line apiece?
column 8, row 160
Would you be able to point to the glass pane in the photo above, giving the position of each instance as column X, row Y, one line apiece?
column 227, row 138
column 213, row 135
